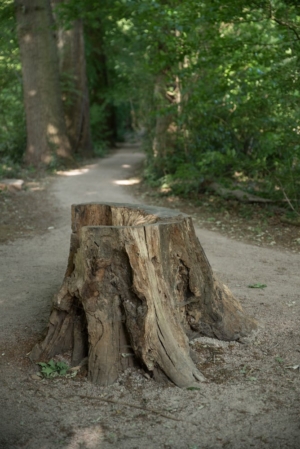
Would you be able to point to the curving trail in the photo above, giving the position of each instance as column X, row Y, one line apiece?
column 236, row 413
column 31, row 270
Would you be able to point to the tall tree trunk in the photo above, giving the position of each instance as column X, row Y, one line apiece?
column 47, row 138
column 74, row 86
column 100, row 85
column 165, row 125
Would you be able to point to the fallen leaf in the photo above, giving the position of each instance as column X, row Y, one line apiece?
column 293, row 367
column 36, row 377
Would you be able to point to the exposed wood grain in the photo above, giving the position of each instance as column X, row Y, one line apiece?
column 137, row 284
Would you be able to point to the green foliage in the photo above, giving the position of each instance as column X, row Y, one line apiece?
column 12, row 117
column 257, row 286
column 53, row 369
column 97, row 119
column 238, row 69
column 223, row 75
column 8, row 168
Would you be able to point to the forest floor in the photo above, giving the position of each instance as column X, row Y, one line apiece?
column 252, row 397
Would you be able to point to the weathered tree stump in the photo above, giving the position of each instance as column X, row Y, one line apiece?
column 138, row 285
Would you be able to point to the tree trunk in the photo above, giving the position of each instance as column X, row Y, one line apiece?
column 138, row 285
column 162, row 142
column 74, row 86
column 47, row 137
column 101, row 88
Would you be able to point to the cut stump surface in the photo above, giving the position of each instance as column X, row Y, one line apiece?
column 137, row 287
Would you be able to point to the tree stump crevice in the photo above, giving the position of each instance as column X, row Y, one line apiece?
column 142, row 283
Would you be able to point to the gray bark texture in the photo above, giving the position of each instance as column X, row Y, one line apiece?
column 47, row 138
column 72, row 65
column 137, row 287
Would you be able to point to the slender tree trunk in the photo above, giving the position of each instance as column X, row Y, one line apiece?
column 47, row 138
column 101, row 85
column 74, row 86
column 165, row 127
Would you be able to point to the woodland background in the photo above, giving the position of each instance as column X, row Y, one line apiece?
column 211, row 87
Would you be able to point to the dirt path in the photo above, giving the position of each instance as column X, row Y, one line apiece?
column 253, row 395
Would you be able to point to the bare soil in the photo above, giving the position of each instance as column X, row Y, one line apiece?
column 26, row 213
column 252, row 394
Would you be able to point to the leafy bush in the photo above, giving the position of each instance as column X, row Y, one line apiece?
column 53, row 369
column 12, row 116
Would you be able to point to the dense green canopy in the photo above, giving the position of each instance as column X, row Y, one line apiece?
column 213, row 87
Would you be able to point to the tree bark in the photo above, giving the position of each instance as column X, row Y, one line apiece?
column 138, row 285
column 163, row 141
column 72, row 66
column 101, row 88
column 47, row 138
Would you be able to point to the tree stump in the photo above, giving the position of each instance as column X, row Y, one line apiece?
column 137, row 287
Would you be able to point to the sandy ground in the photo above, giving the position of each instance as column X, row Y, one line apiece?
column 252, row 399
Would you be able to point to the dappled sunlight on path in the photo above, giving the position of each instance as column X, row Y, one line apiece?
column 254, row 379
column 75, row 172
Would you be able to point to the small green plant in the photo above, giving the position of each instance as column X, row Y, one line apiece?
column 244, row 369
column 251, row 378
column 193, row 388
column 257, row 286
column 53, row 369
